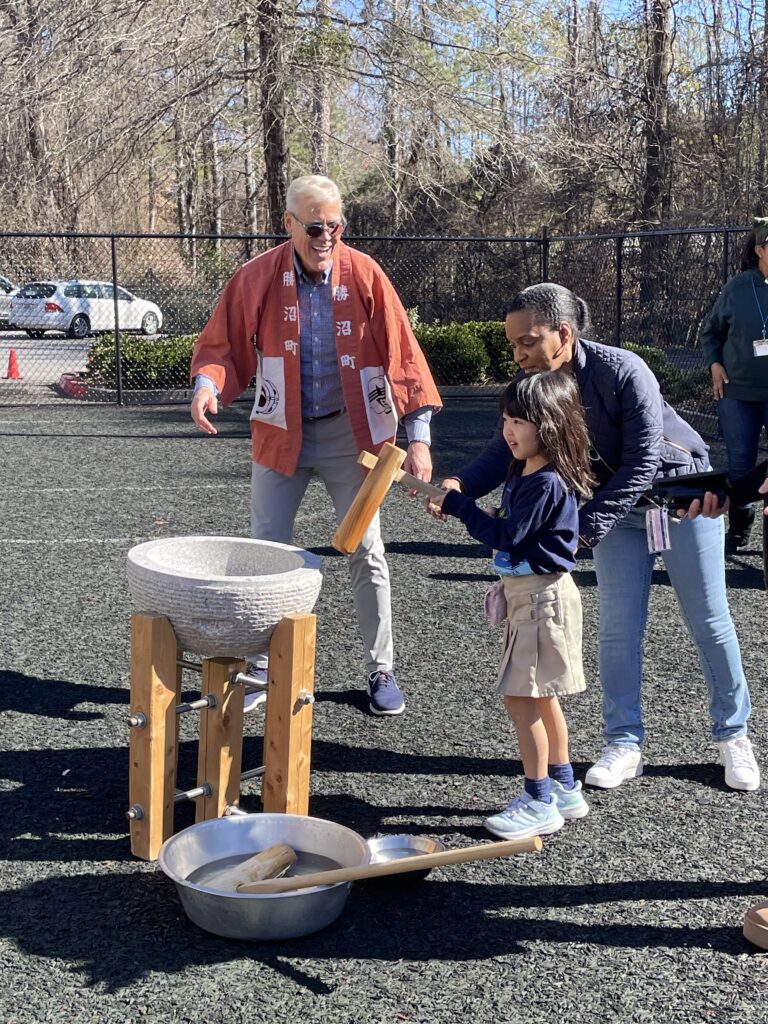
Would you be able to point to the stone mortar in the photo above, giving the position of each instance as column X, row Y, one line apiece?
column 222, row 595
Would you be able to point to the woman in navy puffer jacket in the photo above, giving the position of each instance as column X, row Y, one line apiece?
column 635, row 437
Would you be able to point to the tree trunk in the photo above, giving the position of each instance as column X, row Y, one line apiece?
column 321, row 99
column 762, row 118
column 250, row 207
column 276, row 156
column 656, row 188
column 392, row 126
column 212, row 174
column 152, row 183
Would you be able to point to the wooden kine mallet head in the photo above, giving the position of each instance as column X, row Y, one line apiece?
column 384, row 471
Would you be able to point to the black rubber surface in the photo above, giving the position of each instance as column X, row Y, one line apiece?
column 631, row 914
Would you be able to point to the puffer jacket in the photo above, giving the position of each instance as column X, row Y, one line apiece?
column 635, row 437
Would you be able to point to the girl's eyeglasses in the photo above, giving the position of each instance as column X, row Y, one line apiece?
column 316, row 229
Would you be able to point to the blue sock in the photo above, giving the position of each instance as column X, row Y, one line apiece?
column 562, row 773
column 539, row 789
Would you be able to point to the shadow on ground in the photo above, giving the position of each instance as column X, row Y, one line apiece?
column 476, row 920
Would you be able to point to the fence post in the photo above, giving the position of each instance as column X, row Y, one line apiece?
column 619, row 272
column 726, row 255
column 118, row 347
column 544, row 255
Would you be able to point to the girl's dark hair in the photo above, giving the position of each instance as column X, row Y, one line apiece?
column 551, row 401
column 748, row 255
column 551, row 304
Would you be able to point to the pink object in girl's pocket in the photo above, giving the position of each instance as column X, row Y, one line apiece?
column 495, row 604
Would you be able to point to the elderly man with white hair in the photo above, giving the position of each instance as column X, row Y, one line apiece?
column 322, row 330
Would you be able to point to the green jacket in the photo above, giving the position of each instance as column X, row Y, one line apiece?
column 730, row 330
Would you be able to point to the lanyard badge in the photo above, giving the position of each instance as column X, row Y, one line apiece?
column 760, row 345
column 657, row 530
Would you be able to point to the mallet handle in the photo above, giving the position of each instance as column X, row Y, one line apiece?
column 369, row 460
column 420, row 862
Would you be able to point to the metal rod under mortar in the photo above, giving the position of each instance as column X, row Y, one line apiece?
column 251, row 683
column 193, row 666
column 196, row 705
column 192, row 794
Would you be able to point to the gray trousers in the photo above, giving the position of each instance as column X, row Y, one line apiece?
column 329, row 450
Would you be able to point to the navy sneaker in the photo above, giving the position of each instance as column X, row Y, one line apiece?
column 386, row 696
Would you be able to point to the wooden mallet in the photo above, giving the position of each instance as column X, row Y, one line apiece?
column 384, row 471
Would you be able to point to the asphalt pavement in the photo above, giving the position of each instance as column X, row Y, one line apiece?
column 631, row 914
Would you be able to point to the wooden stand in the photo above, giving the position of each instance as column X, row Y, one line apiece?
column 288, row 728
column 155, row 692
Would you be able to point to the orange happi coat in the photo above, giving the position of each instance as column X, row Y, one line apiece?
column 254, row 331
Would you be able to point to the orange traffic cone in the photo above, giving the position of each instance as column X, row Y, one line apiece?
column 13, row 366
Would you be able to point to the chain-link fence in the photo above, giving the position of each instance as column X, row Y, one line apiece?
column 112, row 318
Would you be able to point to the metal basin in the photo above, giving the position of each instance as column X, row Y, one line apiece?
column 386, row 848
column 222, row 595
column 224, row 841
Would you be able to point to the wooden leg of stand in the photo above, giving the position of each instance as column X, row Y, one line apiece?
column 220, row 753
column 155, row 685
column 288, row 726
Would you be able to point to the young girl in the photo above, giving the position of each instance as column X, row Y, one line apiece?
column 536, row 536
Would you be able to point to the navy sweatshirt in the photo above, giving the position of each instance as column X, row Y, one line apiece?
column 539, row 521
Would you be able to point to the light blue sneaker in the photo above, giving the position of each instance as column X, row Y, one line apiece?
column 525, row 817
column 570, row 802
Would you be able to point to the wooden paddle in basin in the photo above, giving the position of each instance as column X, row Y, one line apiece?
column 419, row 862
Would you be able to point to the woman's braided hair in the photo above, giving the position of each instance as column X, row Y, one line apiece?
column 551, row 305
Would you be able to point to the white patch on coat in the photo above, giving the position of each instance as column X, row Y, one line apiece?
column 379, row 407
column 269, row 404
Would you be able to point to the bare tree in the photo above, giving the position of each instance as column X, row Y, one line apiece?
column 321, row 98
column 658, row 155
column 273, row 112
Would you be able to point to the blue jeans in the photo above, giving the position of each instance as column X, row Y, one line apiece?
column 696, row 571
column 740, row 425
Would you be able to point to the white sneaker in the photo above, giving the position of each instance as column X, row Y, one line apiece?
column 615, row 764
column 257, row 697
column 741, row 771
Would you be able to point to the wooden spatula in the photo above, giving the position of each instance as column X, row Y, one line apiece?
column 421, row 862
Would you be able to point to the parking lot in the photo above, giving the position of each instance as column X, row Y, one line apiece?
column 42, row 361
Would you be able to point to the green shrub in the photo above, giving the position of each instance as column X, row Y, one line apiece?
column 160, row 364
column 501, row 365
column 676, row 385
column 458, row 354
column 455, row 353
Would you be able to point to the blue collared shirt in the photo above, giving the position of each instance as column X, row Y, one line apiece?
column 321, row 389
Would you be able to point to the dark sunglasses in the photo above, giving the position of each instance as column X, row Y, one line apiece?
column 316, row 229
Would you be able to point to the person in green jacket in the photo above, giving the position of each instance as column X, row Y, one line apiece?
column 734, row 340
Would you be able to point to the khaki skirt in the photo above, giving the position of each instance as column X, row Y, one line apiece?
column 542, row 637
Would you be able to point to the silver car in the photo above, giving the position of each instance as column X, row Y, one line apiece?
column 7, row 289
column 80, row 308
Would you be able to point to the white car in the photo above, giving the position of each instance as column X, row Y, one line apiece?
column 7, row 289
column 80, row 308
